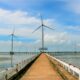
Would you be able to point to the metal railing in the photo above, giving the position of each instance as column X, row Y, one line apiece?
column 70, row 68
column 8, row 73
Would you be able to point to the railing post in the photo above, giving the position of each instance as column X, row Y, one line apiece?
column 16, row 67
column 6, row 76
column 79, row 76
column 69, row 68
column 73, row 73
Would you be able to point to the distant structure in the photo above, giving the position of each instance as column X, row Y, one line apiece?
column 42, row 49
column 75, row 47
column 11, row 52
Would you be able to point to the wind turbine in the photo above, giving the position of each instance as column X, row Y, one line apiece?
column 11, row 52
column 42, row 26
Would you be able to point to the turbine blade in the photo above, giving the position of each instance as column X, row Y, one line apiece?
column 36, row 29
column 13, row 30
column 41, row 19
column 48, row 27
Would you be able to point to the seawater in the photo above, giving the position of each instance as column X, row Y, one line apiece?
column 17, row 57
column 70, row 58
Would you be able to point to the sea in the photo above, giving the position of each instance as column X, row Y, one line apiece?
column 68, row 57
column 5, row 58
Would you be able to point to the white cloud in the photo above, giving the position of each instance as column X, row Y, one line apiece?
column 5, row 31
column 57, row 38
column 74, row 6
column 19, row 18
column 77, row 28
column 6, row 45
column 78, row 45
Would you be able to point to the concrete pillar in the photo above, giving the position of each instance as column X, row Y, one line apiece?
column 69, row 69
column 6, row 77
column 73, row 73
column 79, row 76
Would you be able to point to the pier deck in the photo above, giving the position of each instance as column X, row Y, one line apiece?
column 41, row 69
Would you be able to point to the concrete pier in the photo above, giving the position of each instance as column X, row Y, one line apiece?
column 42, row 69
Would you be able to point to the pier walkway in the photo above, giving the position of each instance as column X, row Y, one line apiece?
column 41, row 69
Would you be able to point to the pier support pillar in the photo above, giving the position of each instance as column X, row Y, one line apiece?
column 79, row 76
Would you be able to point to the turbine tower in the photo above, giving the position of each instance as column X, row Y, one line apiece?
column 42, row 26
column 11, row 52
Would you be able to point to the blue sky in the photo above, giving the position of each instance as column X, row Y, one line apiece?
column 64, row 15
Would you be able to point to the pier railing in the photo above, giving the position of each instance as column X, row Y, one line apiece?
column 8, row 73
column 70, row 68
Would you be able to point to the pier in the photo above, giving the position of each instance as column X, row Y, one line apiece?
column 41, row 67
column 39, row 39
column 46, row 69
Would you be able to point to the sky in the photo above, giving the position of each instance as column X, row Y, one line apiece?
column 24, row 15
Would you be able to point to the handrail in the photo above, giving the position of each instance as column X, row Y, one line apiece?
column 8, row 73
column 70, row 68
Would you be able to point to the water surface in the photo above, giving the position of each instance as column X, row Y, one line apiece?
column 71, row 58
column 5, row 59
